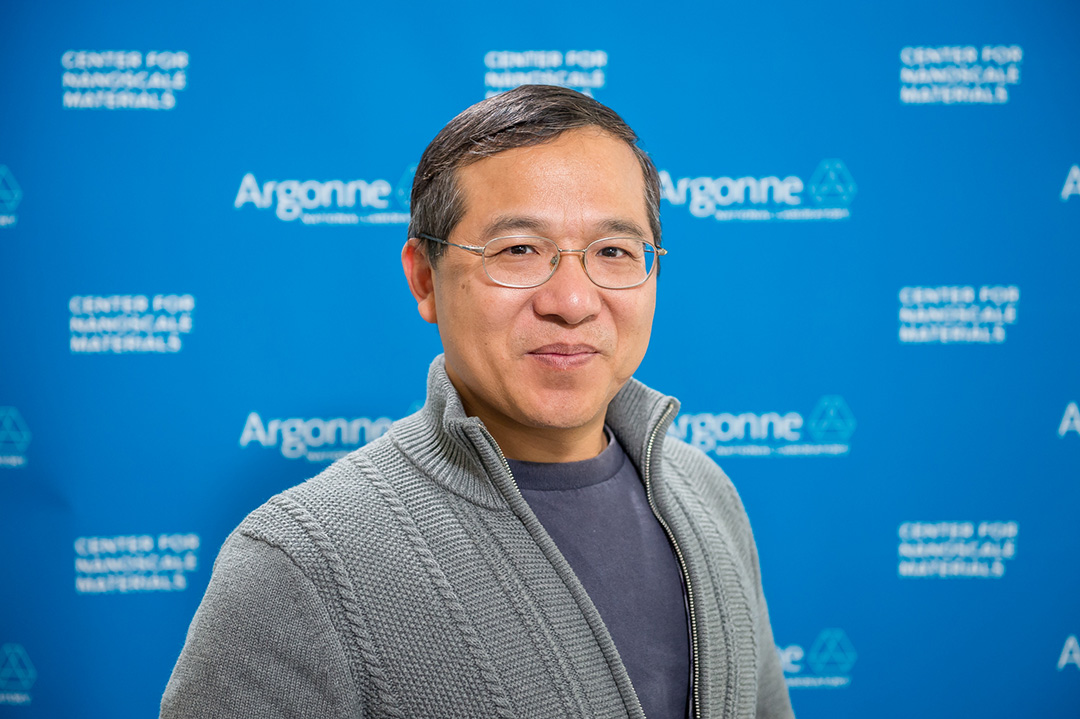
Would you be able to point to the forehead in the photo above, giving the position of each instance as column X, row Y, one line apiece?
column 583, row 181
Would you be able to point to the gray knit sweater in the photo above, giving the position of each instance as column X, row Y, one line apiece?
column 410, row 579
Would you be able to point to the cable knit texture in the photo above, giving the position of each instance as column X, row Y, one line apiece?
column 410, row 579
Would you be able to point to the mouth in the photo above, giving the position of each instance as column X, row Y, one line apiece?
column 564, row 356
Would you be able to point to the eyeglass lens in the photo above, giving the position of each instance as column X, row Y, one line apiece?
column 614, row 263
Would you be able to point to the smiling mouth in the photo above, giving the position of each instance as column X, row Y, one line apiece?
column 563, row 356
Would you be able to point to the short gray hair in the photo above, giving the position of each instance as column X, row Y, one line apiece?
column 527, row 115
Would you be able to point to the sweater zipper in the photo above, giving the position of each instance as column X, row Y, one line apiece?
column 647, row 478
column 506, row 466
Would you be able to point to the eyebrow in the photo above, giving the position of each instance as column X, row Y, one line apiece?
column 609, row 227
column 513, row 223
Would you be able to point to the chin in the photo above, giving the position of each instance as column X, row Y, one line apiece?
column 566, row 411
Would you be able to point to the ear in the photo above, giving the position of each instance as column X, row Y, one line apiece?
column 421, row 278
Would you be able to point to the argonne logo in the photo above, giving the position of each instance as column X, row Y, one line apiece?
column 832, row 190
column 766, row 434
column 10, row 197
column 1072, row 184
column 832, row 653
column 17, row 673
column 832, row 420
column 293, row 199
column 315, row 439
column 14, row 438
column 832, row 184
column 1070, row 421
column 10, row 192
column 831, row 659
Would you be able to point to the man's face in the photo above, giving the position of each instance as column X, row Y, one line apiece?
column 551, row 356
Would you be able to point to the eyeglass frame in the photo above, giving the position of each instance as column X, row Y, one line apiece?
column 481, row 249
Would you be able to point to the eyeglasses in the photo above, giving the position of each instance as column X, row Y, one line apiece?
column 523, row 261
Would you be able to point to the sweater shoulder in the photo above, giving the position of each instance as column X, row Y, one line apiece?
column 303, row 520
column 706, row 489
column 696, row 469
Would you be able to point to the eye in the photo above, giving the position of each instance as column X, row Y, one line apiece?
column 618, row 248
column 519, row 248
column 612, row 252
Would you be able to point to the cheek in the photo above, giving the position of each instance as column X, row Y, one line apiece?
column 479, row 319
column 634, row 322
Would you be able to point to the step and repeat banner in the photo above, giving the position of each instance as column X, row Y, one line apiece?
column 870, row 310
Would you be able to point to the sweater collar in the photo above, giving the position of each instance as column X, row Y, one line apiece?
column 458, row 453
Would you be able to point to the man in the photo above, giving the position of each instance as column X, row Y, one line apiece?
column 529, row 544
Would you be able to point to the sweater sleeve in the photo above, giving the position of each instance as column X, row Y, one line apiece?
column 261, row 645
column 773, row 701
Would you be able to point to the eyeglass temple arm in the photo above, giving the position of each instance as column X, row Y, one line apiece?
column 470, row 248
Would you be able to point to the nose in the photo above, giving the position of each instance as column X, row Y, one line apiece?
column 569, row 296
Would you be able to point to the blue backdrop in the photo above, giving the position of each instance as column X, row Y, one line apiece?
column 869, row 309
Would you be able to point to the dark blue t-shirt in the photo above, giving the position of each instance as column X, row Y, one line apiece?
column 598, row 515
